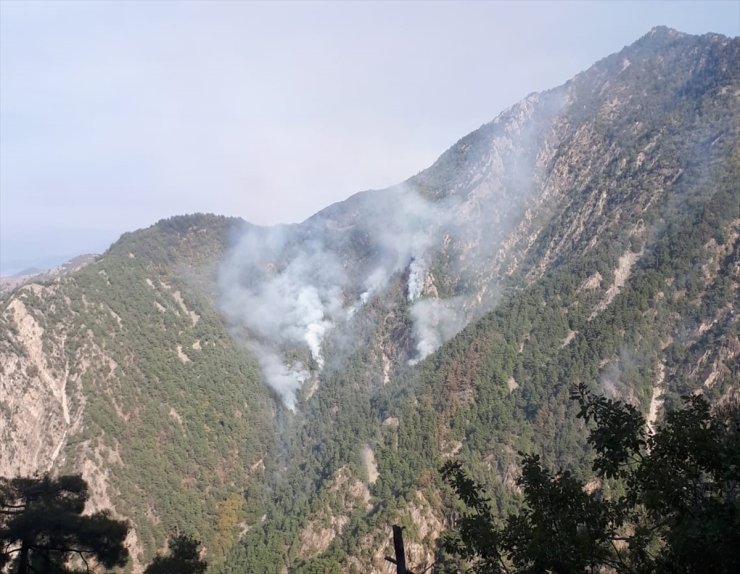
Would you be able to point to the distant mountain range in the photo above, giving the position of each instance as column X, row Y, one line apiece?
column 36, row 274
column 287, row 393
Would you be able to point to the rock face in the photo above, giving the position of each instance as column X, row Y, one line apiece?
column 587, row 233
column 39, row 418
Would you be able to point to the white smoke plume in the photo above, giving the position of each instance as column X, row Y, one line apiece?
column 284, row 379
column 417, row 275
column 283, row 295
column 288, row 286
column 435, row 321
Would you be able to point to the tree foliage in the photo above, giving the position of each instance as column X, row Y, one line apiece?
column 665, row 501
column 183, row 558
column 42, row 528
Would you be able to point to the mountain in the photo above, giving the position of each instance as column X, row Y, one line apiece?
column 587, row 234
column 33, row 274
column 123, row 371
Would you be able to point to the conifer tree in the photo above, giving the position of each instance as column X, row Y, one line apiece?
column 42, row 528
column 183, row 558
column 674, row 505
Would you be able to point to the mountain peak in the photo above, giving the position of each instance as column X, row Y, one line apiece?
column 660, row 37
column 664, row 32
column 657, row 40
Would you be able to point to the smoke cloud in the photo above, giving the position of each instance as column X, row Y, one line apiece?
column 284, row 378
column 285, row 289
column 285, row 294
column 435, row 321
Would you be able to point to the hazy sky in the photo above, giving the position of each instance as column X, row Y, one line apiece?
column 114, row 114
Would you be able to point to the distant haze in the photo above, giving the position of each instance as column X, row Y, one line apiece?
column 116, row 114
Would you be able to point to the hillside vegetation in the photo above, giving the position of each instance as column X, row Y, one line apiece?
column 165, row 417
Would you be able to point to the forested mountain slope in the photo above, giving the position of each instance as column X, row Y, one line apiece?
column 600, row 222
column 587, row 234
column 123, row 371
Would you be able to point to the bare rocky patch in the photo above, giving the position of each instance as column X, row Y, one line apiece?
column 621, row 275
column 181, row 355
column 371, row 467
column 194, row 317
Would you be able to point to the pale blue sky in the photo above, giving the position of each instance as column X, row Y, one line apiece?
column 114, row 114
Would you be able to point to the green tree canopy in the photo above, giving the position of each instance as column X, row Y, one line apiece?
column 42, row 528
column 675, row 507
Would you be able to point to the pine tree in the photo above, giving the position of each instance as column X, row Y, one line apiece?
column 183, row 558
column 42, row 528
